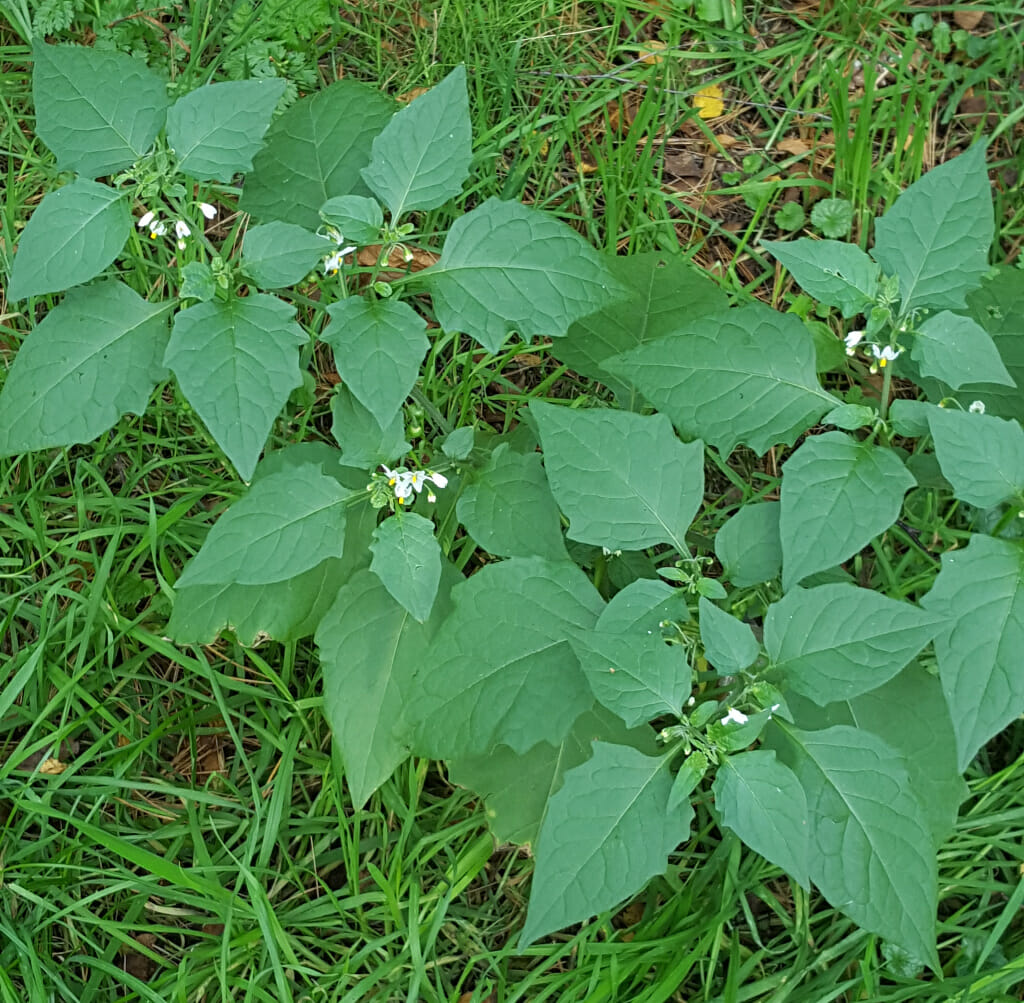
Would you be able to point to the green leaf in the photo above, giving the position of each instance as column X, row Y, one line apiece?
column 516, row 788
column 957, row 351
column 834, row 217
column 315, row 151
column 506, row 267
column 762, row 801
column 641, row 607
column 937, row 235
column 691, row 772
column 738, row 376
column 837, row 274
column 982, row 457
column 237, row 361
column 357, row 218
column 74, row 234
column 287, row 523
column 606, row 833
column 378, row 346
column 637, row 676
column 197, row 282
column 458, row 444
column 92, row 359
column 979, row 594
column 363, row 442
column 790, row 216
column 661, row 288
column 834, row 642
column 370, row 650
column 837, row 495
column 508, row 508
column 851, row 417
column 510, row 675
column 276, row 254
column 625, row 481
column 98, row 110
column 748, row 545
column 729, row 645
column 216, row 130
column 422, row 156
column 407, row 559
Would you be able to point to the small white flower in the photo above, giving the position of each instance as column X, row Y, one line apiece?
column 885, row 355
column 735, row 716
column 207, row 210
column 334, row 260
column 146, row 220
column 157, row 230
column 977, row 407
column 182, row 230
column 406, row 482
column 853, row 339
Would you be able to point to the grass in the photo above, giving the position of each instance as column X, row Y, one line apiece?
column 175, row 825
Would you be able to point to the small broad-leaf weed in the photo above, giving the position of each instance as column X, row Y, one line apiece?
column 591, row 678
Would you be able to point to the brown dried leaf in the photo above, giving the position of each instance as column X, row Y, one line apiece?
column 52, row 767
column 793, row 146
column 968, row 19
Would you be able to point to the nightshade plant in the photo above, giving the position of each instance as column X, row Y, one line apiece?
column 590, row 679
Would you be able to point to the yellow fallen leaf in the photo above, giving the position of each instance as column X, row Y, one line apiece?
column 650, row 52
column 708, row 102
column 52, row 767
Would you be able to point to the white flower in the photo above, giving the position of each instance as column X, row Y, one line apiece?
column 853, row 339
column 334, row 260
column 977, row 407
column 735, row 717
column 146, row 220
column 157, row 230
column 207, row 210
column 405, row 482
column 182, row 230
column 885, row 355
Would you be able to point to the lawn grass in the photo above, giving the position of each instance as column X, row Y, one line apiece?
column 174, row 824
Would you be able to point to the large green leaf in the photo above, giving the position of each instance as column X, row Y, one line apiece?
column 314, row 152
column 216, row 130
column 501, row 670
column 981, row 456
column 762, row 801
column 979, row 594
column 606, row 833
column 729, row 645
column 937, row 235
column 871, row 850
column 90, row 360
column 834, row 642
column 837, row 495
column 97, row 109
column 422, row 156
column 748, row 545
column 958, row 351
column 407, row 559
column 508, row 267
column 836, row 273
column 624, row 480
column 237, row 361
column 509, row 510
column 516, row 787
column 737, row 376
column 278, row 254
column 74, row 234
column 370, row 650
column 662, row 288
column 641, row 607
column 378, row 346
column 287, row 523
column 363, row 442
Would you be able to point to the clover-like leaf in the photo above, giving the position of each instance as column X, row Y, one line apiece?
column 837, row 495
column 837, row 274
column 237, row 361
column 729, row 645
column 508, row 267
column 625, row 481
column 74, row 234
column 738, row 376
column 278, row 254
column 407, row 559
column 92, row 359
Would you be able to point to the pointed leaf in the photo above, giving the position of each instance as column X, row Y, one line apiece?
column 729, row 645
column 937, row 235
column 762, row 801
column 641, row 606
column 510, row 675
column 92, row 359
column 357, row 218
column 277, row 254
column 74, row 234
column 625, row 481
column 315, row 151
column 606, row 833
column 507, row 267
column 407, row 559
column 834, row 642
column 378, row 346
column 363, row 442
column 836, row 273
column 957, row 350
column 837, row 495
column 237, row 362
column 871, row 851
column 285, row 524
column 97, row 109
column 979, row 594
column 422, row 156
column 738, row 376
column 509, row 510
column 748, row 545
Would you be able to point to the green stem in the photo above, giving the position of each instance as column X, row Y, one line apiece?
column 886, row 386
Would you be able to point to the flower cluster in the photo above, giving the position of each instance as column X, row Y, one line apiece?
column 405, row 482
column 151, row 221
column 882, row 355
